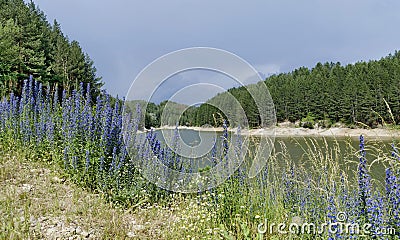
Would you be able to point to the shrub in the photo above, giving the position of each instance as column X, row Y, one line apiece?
column 308, row 121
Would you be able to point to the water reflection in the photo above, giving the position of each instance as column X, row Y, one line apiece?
column 310, row 153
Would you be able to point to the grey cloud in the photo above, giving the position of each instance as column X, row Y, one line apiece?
column 124, row 36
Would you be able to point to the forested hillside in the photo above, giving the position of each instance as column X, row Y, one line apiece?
column 328, row 93
column 165, row 113
column 349, row 94
column 29, row 45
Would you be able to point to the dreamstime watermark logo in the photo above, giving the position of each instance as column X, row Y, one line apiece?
column 151, row 79
column 297, row 226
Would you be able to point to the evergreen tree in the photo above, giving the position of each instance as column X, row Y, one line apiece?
column 29, row 45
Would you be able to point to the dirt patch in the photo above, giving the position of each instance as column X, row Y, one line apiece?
column 36, row 202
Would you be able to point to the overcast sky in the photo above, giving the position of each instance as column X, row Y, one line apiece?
column 123, row 36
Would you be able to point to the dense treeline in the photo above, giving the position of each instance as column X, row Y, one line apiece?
column 350, row 94
column 167, row 113
column 29, row 45
column 326, row 94
column 210, row 112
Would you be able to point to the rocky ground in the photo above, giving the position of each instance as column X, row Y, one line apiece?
column 36, row 202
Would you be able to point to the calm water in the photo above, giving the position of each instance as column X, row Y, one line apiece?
column 298, row 148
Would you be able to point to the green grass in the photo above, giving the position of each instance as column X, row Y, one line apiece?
column 39, row 200
column 35, row 196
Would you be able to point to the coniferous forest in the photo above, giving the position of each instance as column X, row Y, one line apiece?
column 356, row 94
column 348, row 94
column 30, row 45
column 367, row 92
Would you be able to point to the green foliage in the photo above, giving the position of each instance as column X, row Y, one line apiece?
column 332, row 93
column 308, row 122
column 29, row 45
column 345, row 94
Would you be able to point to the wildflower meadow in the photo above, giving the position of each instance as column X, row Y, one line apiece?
column 99, row 145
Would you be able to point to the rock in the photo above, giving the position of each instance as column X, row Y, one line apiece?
column 57, row 180
column 85, row 234
column 50, row 231
column 26, row 188
column 131, row 235
column 70, row 229
column 33, row 223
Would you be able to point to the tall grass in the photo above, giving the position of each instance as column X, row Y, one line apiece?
column 86, row 139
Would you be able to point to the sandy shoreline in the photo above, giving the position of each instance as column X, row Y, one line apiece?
column 305, row 132
column 331, row 132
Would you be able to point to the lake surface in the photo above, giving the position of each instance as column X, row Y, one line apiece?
column 301, row 151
